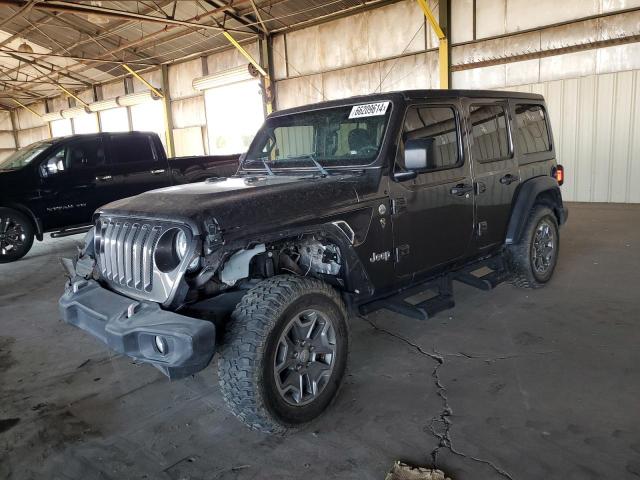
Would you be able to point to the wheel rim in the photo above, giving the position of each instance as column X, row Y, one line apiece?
column 12, row 235
column 543, row 248
column 305, row 357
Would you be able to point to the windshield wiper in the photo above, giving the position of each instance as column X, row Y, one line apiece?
column 312, row 157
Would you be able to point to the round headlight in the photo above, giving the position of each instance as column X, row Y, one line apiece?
column 181, row 244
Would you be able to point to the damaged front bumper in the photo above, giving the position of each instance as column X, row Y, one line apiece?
column 176, row 344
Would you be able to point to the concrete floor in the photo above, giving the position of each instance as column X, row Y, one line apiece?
column 511, row 384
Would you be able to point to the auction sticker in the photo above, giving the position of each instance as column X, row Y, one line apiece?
column 369, row 110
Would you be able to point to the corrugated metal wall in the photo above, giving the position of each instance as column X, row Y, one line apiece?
column 596, row 124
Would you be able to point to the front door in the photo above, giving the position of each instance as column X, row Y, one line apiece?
column 495, row 168
column 70, row 185
column 433, row 213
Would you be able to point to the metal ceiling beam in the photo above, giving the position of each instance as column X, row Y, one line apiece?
column 78, row 59
column 141, row 41
column 112, row 13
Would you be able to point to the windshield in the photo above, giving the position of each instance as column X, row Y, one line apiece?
column 24, row 156
column 334, row 137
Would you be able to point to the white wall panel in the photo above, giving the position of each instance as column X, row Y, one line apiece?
column 26, row 119
column 461, row 20
column 351, row 81
column 5, row 120
column 490, row 18
column 189, row 112
column 27, row 137
column 525, row 14
column 227, row 59
column 595, row 121
column 390, row 30
column 299, row 91
column 112, row 90
column 181, row 77
column 188, row 141
column 7, row 140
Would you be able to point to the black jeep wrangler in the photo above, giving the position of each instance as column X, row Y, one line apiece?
column 341, row 207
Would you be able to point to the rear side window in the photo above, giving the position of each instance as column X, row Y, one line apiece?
column 131, row 149
column 489, row 131
column 532, row 134
column 438, row 127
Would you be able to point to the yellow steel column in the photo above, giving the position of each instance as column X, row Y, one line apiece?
column 443, row 51
column 166, row 104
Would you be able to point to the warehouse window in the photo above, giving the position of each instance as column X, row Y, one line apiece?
column 61, row 128
column 489, row 131
column 114, row 120
column 438, row 128
column 532, row 134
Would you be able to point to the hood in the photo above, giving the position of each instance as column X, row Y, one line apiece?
column 250, row 203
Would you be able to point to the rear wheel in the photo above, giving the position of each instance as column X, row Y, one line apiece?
column 284, row 353
column 16, row 235
column 533, row 260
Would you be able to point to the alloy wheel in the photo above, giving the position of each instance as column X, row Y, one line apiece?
column 543, row 248
column 305, row 356
column 12, row 235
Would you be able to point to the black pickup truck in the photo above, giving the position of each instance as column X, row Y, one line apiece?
column 56, row 185
column 339, row 208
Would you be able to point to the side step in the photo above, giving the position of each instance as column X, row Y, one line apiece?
column 443, row 286
column 424, row 310
column 71, row 231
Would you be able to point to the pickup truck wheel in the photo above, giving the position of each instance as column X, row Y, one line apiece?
column 284, row 353
column 16, row 235
column 533, row 260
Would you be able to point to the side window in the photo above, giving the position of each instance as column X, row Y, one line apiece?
column 435, row 128
column 489, row 131
column 127, row 149
column 77, row 156
column 532, row 135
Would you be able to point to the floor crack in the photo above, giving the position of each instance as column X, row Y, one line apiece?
column 444, row 418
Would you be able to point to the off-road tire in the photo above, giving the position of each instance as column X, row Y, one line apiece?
column 27, row 228
column 519, row 256
column 246, row 358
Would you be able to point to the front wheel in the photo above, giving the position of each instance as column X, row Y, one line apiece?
column 533, row 260
column 284, row 354
column 16, row 235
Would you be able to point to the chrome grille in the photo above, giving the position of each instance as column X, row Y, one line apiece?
column 126, row 252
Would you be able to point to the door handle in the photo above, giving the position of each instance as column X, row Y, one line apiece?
column 104, row 178
column 461, row 189
column 508, row 179
column 158, row 172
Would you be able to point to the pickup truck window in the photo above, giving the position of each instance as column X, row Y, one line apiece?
column 24, row 156
column 438, row 127
column 131, row 149
column 532, row 134
column 489, row 131
column 335, row 137
column 81, row 154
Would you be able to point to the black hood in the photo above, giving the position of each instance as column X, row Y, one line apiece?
column 250, row 204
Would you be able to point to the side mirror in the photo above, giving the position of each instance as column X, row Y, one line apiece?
column 416, row 152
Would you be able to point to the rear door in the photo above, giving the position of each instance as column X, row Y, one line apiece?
column 433, row 214
column 495, row 168
column 136, row 166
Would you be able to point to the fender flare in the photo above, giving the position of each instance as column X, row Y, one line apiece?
column 37, row 224
column 525, row 199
